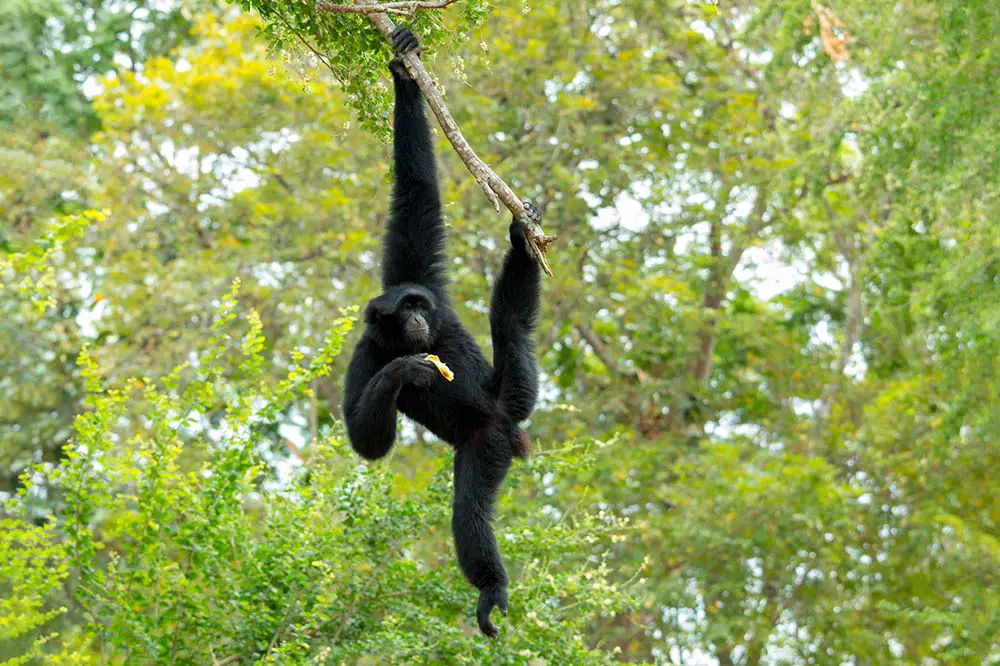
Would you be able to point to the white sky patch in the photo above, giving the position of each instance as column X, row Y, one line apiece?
column 821, row 334
column 122, row 61
column 91, row 88
column 809, row 53
column 852, row 83
column 580, row 81
column 758, row 59
column 766, row 275
column 857, row 366
column 627, row 213
column 88, row 318
column 702, row 28
column 293, row 433
column 803, row 408
column 729, row 425
column 551, row 90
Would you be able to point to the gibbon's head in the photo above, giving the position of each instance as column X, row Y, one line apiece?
column 403, row 320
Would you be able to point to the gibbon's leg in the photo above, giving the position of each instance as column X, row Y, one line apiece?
column 480, row 468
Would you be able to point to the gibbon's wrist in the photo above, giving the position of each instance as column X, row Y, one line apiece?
column 518, row 231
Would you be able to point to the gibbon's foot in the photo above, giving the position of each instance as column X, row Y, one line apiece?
column 519, row 227
column 489, row 597
column 532, row 213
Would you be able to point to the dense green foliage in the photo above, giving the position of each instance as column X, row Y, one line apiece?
column 189, row 550
column 769, row 350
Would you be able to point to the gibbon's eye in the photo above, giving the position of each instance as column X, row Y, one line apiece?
column 415, row 303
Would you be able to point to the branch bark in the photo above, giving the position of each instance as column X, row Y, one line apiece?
column 854, row 256
column 721, row 273
column 401, row 8
column 494, row 187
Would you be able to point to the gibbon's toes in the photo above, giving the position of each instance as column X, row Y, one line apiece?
column 489, row 598
column 532, row 213
column 489, row 628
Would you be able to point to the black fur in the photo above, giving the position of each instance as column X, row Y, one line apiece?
column 477, row 413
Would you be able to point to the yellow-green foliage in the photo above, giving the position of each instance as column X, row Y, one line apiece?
column 182, row 553
column 32, row 270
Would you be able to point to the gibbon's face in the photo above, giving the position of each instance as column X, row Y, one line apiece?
column 414, row 323
column 403, row 320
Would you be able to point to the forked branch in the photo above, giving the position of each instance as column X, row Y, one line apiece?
column 494, row 187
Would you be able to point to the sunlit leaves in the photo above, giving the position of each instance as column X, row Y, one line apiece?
column 182, row 549
column 31, row 270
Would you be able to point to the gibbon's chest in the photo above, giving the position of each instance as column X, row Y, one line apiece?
column 450, row 410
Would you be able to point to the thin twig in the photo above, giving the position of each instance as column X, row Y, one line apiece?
column 322, row 58
column 606, row 358
column 400, row 8
column 294, row 450
column 494, row 187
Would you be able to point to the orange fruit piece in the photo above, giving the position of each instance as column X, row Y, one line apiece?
column 441, row 366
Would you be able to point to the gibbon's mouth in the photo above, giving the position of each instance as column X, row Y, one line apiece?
column 416, row 331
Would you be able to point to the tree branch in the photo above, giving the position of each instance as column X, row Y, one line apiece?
column 494, row 187
column 854, row 318
column 401, row 8
column 612, row 364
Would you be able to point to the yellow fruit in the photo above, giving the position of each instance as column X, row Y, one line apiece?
column 442, row 368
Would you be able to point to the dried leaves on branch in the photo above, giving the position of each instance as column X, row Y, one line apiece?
column 496, row 189
column 834, row 44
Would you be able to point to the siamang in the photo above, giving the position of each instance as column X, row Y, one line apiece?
column 479, row 411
